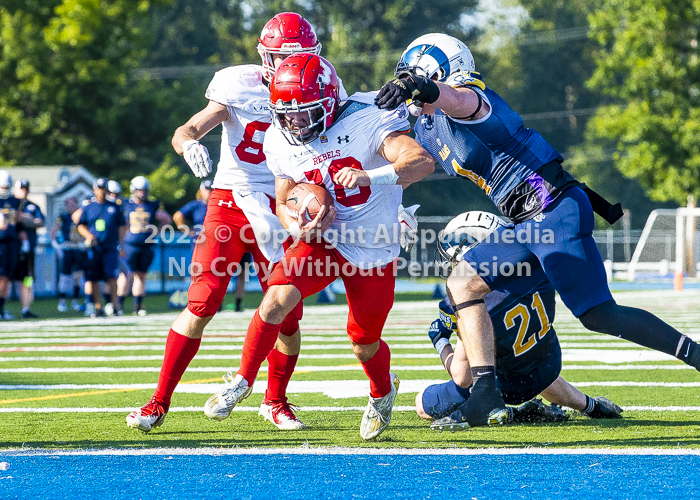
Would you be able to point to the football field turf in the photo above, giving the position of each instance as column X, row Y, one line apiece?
column 69, row 384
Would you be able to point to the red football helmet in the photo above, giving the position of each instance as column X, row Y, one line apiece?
column 304, row 96
column 286, row 33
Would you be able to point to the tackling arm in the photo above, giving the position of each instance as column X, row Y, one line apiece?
column 460, row 103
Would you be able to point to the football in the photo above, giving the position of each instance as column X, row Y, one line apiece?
column 305, row 200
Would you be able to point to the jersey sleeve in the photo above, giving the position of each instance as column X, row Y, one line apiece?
column 386, row 122
column 188, row 210
column 237, row 86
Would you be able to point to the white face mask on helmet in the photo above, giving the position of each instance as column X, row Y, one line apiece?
column 435, row 56
column 5, row 184
column 461, row 234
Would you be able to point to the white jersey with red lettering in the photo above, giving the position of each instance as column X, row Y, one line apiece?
column 368, row 214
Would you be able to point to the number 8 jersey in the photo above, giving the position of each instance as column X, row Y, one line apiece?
column 242, row 163
column 366, row 227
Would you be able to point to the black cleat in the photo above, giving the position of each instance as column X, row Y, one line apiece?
column 535, row 411
column 29, row 315
column 605, row 408
column 485, row 406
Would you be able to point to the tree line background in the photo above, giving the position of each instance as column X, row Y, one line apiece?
column 614, row 85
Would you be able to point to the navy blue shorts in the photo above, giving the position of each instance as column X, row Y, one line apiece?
column 101, row 265
column 8, row 258
column 561, row 241
column 73, row 260
column 138, row 258
column 517, row 388
column 24, row 266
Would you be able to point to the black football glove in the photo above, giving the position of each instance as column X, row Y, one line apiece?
column 408, row 86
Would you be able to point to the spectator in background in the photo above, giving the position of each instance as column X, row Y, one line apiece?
column 70, row 250
column 30, row 219
column 144, row 218
column 194, row 212
column 100, row 223
column 9, row 240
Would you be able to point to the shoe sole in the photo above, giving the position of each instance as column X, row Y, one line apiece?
column 498, row 417
column 219, row 418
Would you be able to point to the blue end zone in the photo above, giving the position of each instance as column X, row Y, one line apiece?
column 282, row 476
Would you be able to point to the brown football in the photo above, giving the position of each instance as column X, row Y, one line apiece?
column 306, row 200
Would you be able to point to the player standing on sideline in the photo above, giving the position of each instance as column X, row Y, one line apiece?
column 101, row 223
column 239, row 210
column 114, row 192
column 362, row 156
column 472, row 133
column 141, row 215
column 528, row 355
column 30, row 219
column 9, row 241
column 70, row 250
column 194, row 211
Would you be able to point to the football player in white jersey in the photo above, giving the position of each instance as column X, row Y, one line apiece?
column 363, row 157
column 240, row 208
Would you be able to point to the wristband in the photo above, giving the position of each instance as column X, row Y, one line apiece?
column 294, row 229
column 383, row 175
column 440, row 345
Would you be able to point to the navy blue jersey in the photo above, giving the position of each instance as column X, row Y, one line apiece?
column 138, row 217
column 34, row 212
column 195, row 210
column 103, row 221
column 518, row 170
column 68, row 235
column 10, row 209
column 522, row 313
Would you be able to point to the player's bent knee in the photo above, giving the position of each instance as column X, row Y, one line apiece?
column 599, row 317
column 205, row 295
column 419, row 406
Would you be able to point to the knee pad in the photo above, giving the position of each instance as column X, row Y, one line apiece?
column 205, row 295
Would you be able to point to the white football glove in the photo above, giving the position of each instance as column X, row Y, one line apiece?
column 409, row 226
column 197, row 157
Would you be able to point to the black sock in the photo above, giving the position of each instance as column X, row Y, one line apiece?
column 689, row 352
column 2, row 306
column 120, row 300
column 590, row 405
column 61, row 295
column 76, row 292
column 484, row 376
column 238, row 304
column 138, row 301
column 635, row 325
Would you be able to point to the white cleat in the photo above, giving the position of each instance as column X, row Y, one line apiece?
column 378, row 413
column 90, row 310
column 148, row 417
column 109, row 309
column 235, row 390
column 281, row 415
column 141, row 312
column 75, row 305
column 62, row 307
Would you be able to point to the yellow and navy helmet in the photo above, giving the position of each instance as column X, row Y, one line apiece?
column 436, row 56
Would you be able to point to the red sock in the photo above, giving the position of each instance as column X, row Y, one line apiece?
column 281, row 367
column 179, row 351
column 259, row 341
column 377, row 370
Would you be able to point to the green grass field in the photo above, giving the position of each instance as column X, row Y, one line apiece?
column 70, row 383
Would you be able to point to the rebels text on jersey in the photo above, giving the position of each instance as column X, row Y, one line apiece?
column 366, row 228
column 242, row 163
